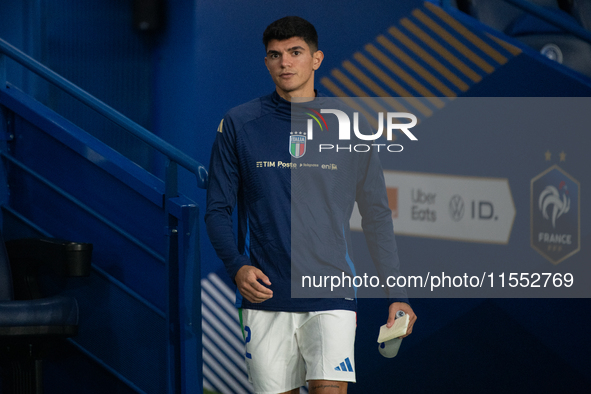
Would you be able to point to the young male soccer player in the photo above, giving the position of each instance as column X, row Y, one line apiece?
column 288, row 340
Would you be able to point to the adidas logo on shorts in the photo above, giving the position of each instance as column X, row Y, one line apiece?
column 345, row 366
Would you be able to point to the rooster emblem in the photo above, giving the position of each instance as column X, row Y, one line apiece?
column 550, row 196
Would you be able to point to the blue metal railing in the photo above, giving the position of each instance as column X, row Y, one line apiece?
column 173, row 154
column 183, row 336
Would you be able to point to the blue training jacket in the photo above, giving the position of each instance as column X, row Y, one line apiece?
column 295, row 202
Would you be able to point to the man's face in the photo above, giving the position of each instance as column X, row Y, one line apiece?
column 291, row 65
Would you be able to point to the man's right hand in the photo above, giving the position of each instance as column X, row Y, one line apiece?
column 247, row 281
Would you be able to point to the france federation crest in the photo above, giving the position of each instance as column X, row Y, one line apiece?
column 297, row 144
column 555, row 214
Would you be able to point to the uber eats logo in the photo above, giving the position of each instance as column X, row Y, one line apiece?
column 386, row 124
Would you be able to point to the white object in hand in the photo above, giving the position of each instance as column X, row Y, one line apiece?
column 389, row 339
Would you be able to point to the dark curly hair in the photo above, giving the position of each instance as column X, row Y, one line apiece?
column 291, row 26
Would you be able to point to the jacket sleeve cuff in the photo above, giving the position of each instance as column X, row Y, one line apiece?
column 393, row 300
column 233, row 267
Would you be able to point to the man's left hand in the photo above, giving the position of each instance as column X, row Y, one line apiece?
column 401, row 306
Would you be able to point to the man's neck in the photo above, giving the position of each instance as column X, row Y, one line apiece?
column 297, row 97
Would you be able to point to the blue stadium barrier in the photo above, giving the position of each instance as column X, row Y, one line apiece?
column 66, row 182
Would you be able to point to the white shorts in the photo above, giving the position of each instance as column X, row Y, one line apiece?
column 286, row 349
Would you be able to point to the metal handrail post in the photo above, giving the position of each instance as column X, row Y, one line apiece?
column 2, row 71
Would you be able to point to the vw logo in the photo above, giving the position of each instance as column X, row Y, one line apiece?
column 456, row 207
